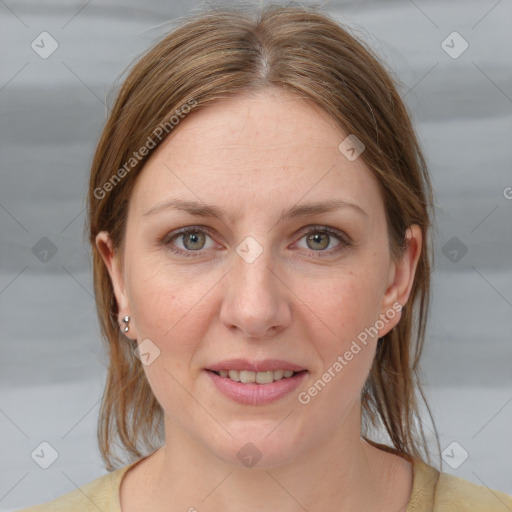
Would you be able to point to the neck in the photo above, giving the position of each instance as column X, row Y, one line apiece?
column 341, row 472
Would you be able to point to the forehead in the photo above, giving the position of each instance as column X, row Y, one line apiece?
column 270, row 117
column 259, row 150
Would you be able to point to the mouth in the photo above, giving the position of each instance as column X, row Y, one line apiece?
column 252, row 377
column 256, row 383
column 252, row 392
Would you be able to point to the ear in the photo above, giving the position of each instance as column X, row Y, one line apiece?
column 113, row 263
column 401, row 280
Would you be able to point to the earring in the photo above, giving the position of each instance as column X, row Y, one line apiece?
column 126, row 321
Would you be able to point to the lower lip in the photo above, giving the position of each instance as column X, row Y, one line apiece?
column 256, row 394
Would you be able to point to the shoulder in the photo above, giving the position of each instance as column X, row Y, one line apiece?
column 100, row 494
column 435, row 491
column 458, row 495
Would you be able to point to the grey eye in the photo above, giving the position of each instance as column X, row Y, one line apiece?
column 318, row 241
column 193, row 240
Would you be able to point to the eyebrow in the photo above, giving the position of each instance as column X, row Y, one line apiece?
column 205, row 210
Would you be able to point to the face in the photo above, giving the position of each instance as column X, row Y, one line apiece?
column 284, row 264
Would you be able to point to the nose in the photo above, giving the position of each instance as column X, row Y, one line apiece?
column 257, row 302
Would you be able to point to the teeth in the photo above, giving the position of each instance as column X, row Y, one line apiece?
column 247, row 376
column 234, row 375
column 264, row 377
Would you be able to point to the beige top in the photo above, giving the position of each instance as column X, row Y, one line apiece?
column 432, row 491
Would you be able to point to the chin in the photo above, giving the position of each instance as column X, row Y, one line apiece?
column 259, row 449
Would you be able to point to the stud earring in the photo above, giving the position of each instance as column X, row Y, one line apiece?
column 126, row 321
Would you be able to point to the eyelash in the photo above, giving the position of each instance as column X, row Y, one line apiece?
column 342, row 238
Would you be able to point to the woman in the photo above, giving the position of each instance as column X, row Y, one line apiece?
column 259, row 213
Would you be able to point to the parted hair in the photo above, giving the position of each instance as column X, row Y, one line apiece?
column 217, row 53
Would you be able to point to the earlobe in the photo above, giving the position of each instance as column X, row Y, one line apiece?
column 112, row 262
column 402, row 277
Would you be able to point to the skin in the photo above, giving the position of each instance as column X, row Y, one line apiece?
column 255, row 156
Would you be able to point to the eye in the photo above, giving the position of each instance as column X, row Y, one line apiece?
column 193, row 240
column 319, row 239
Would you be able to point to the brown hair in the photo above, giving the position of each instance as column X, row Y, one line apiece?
column 217, row 54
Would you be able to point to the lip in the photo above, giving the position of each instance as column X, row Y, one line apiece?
column 255, row 366
column 256, row 394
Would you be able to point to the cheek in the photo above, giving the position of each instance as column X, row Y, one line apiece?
column 348, row 303
column 176, row 314
column 163, row 297
column 171, row 311
column 349, row 307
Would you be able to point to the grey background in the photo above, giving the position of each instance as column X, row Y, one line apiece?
column 51, row 114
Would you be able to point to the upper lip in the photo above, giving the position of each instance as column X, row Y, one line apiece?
column 255, row 366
